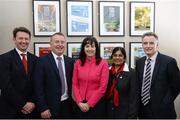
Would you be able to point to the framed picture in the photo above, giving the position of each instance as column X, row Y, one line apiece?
column 79, row 18
column 41, row 48
column 136, row 51
column 46, row 17
column 111, row 18
column 73, row 49
column 142, row 18
column 107, row 47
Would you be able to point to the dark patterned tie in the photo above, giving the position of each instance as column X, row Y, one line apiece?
column 61, row 74
column 145, row 93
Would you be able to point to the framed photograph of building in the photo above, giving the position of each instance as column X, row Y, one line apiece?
column 41, row 48
column 46, row 17
column 73, row 49
column 111, row 18
column 79, row 18
column 136, row 51
column 142, row 18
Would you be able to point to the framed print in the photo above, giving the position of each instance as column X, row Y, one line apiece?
column 107, row 47
column 79, row 18
column 142, row 18
column 46, row 17
column 41, row 48
column 73, row 49
column 111, row 18
column 136, row 51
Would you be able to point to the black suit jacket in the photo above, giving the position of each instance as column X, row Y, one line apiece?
column 16, row 86
column 48, row 84
column 165, row 86
column 128, row 96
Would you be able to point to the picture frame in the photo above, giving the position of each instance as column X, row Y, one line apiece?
column 41, row 48
column 142, row 18
column 46, row 17
column 111, row 18
column 106, row 49
column 73, row 49
column 136, row 51
column 79, row 18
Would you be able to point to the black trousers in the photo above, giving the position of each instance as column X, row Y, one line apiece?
column 66, row 109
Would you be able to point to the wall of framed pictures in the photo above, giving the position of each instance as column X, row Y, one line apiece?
column 20, row 13
column 115, row 23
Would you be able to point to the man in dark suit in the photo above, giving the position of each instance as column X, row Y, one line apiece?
column 17, row 66
column 52, row 83
column 159, row 81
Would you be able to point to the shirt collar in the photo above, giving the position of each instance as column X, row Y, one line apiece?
column 126, row 67
column 153, row 58
column 19, row 52
column 55, row 56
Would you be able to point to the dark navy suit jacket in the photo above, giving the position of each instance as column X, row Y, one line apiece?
column 16, row 86
column 165, row 86
column 48, row 84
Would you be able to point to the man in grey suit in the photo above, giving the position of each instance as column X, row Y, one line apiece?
column 159, row 81
column 52, row 83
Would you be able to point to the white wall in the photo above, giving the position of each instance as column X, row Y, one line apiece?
column 16, row 13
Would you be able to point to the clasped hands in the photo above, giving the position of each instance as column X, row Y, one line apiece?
column 84, row 106
column 28, row 108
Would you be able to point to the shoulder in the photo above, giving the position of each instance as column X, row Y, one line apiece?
column 8, row 55
column 141, row 59
column 68, row 58
column 104, row 61
column 165, row 58
column 32, row 55
column 78, row 61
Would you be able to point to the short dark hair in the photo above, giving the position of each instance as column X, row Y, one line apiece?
column 149, row 34
column 119, row 49
column 58, row 33
column 82, row 56
column 21, row 29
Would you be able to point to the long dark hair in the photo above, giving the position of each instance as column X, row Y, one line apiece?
column 82, row 56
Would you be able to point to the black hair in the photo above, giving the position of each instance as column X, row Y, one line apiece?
column 82, row 56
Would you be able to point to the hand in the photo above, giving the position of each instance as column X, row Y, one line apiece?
column 84, row 107
column 28, row 108
column 46, row 114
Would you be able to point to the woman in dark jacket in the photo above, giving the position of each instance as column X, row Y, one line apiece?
column 122, row 88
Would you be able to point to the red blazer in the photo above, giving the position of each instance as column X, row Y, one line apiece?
column 90, row 81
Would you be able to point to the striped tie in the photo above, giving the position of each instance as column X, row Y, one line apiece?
column 145, row 93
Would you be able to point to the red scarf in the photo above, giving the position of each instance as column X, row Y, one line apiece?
column 113, row 91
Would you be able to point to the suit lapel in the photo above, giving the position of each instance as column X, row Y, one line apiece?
column 53, row 63
column 18, row 61
column 66, row 62
column 156, row 67
column 30, row 64
column 142, row 69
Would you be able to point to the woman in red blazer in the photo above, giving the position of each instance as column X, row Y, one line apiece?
column 90, row 79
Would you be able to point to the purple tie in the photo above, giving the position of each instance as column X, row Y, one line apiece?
column 61, row 74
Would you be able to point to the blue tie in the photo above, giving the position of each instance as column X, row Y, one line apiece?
column 61, row 74
column 145, row 93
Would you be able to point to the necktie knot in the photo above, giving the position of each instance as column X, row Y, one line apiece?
column 59, row 58
column 149, row 59
column 23, row 55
